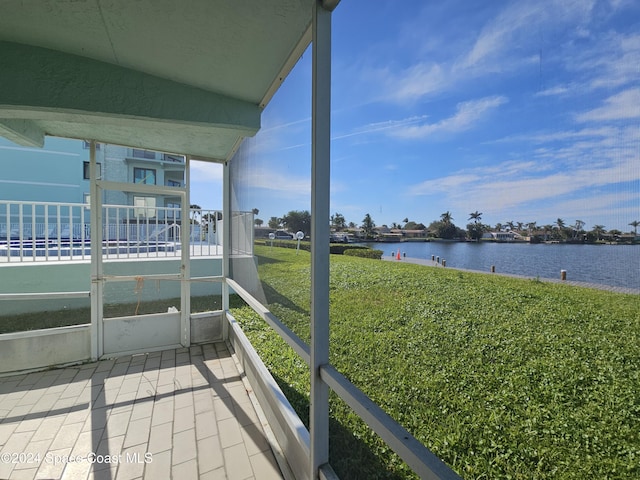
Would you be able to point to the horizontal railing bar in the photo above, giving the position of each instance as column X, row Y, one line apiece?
column 421, row 460
column 135, row 278
column 212, row 279
column 295, row 342
column 43, row 296
column 207, row 314
column 53, row 204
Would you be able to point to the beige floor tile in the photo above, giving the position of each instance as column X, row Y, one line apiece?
column 184, row 447
column 188, row 409
column 237, row 463
column 230, row 433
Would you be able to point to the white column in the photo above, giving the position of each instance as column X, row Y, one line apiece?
column 185, row 263
column 97, row 297
column 226, row 240
column 320, row 183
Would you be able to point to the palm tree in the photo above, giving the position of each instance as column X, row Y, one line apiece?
column 635, row 224
column 577, row 228
column 367, row 226
column 338, row 222
column 498, row 227
column 446, row 217
column 599, row 230
column 475, row 216
column 275, row 223
column 196, row 210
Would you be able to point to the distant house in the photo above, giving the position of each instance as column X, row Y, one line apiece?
column 385, row 234
column 504, row 237
column 415, row 233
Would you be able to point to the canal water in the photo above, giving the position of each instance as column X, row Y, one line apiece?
column 615, row 265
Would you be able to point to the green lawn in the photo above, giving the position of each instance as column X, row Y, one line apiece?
column 500, row 377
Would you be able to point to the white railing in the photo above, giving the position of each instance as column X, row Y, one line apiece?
column 59, row 231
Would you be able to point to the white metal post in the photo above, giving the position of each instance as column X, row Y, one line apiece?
column 95, row 209
column 320, row 187
column 226, row 239
column 185, row 264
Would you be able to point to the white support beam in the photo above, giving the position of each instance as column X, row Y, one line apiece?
column 226, row 239
column 97, row 346
column 185, row 264
column 23, row 132
column 320, row 196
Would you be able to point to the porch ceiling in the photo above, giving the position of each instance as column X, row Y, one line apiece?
column 187, row 77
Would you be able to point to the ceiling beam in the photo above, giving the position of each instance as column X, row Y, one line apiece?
column 38, row 83
column 22, row 132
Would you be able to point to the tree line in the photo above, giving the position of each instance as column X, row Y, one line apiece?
column 445, row 228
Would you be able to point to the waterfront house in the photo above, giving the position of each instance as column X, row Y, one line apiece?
column 510, row 236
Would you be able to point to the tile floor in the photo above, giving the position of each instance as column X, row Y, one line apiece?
column 182, row 414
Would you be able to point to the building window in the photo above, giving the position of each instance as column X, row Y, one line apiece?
column 173, row 158
column 145, row 207
column 138, row 153
column 87, row 145
column 144, row 175
column 173, row 183
column 86, row 170
column 173, row 211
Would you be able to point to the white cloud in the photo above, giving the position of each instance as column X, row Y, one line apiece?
column 508, row 40
column 285, row 184
column 382, row 126
column 444, row 184
column 524, row 187
column 205, row 171
column 621, row 106
column 560, row 136
column 496, row 36
column 466, row 116
column 417, row 81
column 553, row 91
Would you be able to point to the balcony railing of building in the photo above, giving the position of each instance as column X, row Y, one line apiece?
column 61, row 231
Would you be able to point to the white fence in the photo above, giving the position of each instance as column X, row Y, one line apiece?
column 60, row 231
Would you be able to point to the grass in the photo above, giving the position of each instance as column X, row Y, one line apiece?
column 500, row 377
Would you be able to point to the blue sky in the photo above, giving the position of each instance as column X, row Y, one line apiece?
column 525, row 111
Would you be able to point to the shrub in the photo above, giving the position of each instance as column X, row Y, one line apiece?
column 363, row 252
column 334, row 248
column 339, row 248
